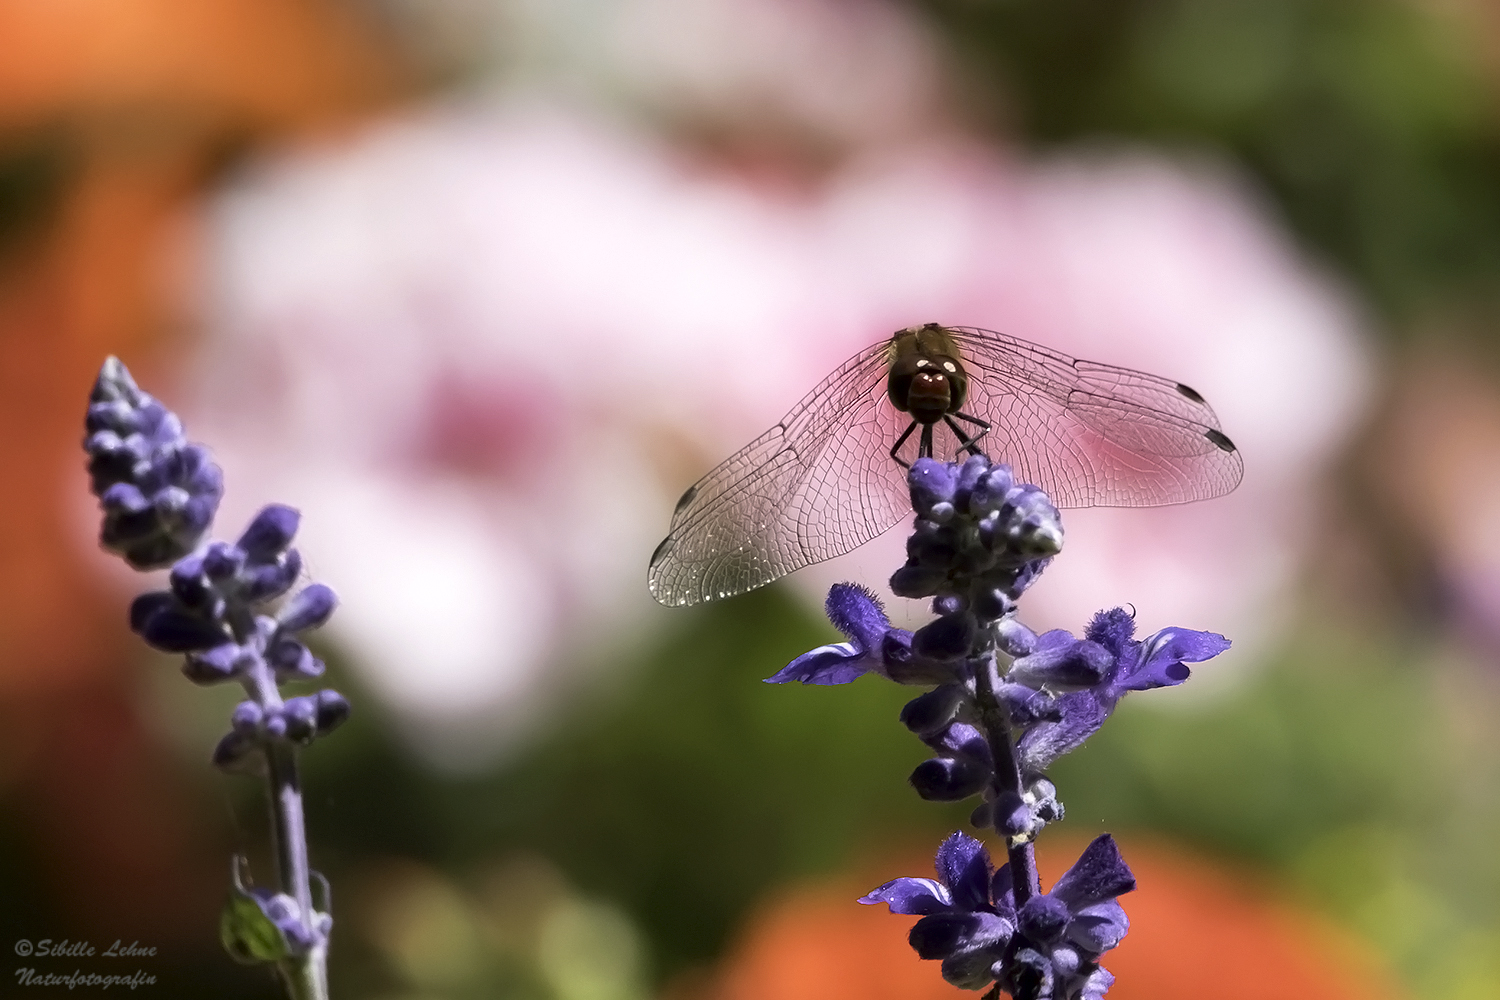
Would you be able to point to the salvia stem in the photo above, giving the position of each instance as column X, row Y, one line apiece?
column 995, row 723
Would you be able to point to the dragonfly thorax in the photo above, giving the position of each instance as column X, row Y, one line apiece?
column 926, row 380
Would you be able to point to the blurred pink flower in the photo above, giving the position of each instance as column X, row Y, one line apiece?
column 502, row 340
column 1168, row 267
column 499, row 344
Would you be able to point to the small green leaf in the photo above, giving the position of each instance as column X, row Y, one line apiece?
column 248, row 934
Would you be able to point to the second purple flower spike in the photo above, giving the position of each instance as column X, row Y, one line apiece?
column 1004, row 703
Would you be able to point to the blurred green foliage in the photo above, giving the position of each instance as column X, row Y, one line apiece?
column 1373, row 123
column 682, row 796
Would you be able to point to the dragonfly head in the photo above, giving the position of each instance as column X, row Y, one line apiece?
column 927, row 385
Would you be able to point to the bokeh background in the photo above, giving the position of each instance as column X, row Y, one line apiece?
column 482, row 285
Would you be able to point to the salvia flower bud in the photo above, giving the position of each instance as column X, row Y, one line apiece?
column 158, row 492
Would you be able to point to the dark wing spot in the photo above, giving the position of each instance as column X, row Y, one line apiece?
column 687, row 498
column 661, row 550
column 1219, row 439
column 1192, row 394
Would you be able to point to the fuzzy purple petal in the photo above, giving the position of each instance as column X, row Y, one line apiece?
column 238, row 753
column 941, row 935
column 1009, row 814
column 1113, row 629
column 1159, row 662
column 931, row 482
column 301, row 715
column 1083, row 712
column 1098, row 983
column 222, row 560
column 963, row 864
column 265, row 581
column 247, row 717
column 915, row 896
column 838, row 663
column 1002, row 892
column 857, row 613
column 965, row 740
column 973, row 968
column 1043, row 919
column 124, row 497
column 974, row 469
column 1027, row 706
column 1098, row 928
column 144, row 607
column 1062, row 665
column 1100, row 874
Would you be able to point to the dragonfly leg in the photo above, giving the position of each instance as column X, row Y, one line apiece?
column 924, row 446
column 968, row 444
column 900, row 441
column 969, row 418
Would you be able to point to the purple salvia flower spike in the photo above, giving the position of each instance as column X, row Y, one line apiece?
column 1007, row 703
column 158, row 494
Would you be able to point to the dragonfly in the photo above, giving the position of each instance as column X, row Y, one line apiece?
column 831, row 475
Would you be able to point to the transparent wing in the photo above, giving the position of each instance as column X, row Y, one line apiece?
column 1093, row 435
column 822, row 482
column 818, row 484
